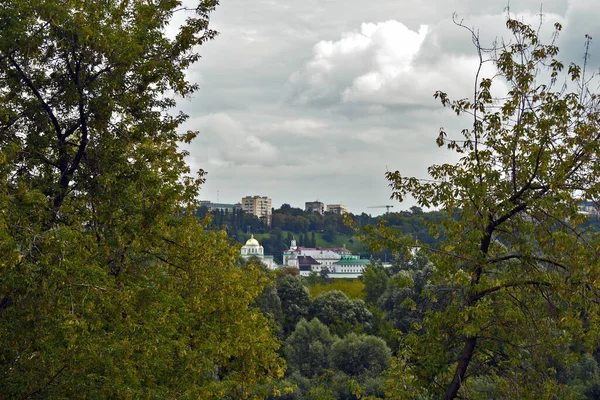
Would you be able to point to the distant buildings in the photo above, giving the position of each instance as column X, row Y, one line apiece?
column 221, row 206
column 253, row 249
column 339, row 261
column 588, row 207
column 314, row 206
column 259, row 206
column 337, row 208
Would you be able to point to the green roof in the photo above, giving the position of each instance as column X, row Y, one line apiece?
column 362, row 261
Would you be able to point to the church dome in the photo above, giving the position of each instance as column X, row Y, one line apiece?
column 252, row 242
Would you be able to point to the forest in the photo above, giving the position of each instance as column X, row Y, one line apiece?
column 340, row 337
column 114, row 285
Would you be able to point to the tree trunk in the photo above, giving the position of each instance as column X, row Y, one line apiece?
column 461, row 368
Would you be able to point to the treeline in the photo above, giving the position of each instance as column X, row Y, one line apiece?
column 414, row 222
column 339, row 343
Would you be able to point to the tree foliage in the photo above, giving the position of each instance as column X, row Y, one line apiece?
column 359, row 354
column 106, row 289
column 520, row 271
column 295, row 301
column 307, row 348
column 375, row 281
column 341, row 314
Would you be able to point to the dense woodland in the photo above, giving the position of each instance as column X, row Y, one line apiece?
column 111, row 286
column 340, row 336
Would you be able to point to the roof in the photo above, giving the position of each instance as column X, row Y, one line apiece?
column 252, row 242
column 334, row 249
column 307, row 260
column 360, row 261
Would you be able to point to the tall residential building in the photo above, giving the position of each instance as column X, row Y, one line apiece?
column 337, row 208
column 314, row 206
column 259, row 206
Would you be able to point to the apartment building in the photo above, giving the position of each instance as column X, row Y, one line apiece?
column 259, row 206
column 337, row 208
column 314, row 206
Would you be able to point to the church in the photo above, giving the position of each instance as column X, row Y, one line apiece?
column 253, row 249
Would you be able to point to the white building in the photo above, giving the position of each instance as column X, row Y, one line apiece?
column 253, row 249
column 349, row 266
column 338, row 261
column 325, row 256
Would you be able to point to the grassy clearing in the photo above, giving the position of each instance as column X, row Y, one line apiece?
column 353, row 288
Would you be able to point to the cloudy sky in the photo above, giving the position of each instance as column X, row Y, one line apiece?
column 316, row 99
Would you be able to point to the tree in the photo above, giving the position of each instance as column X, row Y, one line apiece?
column 109, row 287
column 416, row 210
column 376, row 281
column 307, row 348
column 360, row 354
column 295, row 301
column 269, row 303
column 339, row 313
column 324, row 274
column 518, row 268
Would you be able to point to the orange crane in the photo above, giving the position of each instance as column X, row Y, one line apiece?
column 387, row 207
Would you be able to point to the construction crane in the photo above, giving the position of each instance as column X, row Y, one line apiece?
column 387, row 207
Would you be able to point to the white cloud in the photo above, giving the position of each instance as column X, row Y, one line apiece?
column 376, row 66
column 224, row 141
column 306, row 127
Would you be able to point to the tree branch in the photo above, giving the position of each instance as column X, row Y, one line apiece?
column 38, row 95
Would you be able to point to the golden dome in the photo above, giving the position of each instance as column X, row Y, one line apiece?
column 252, row 242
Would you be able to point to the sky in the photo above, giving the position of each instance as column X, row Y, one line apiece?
column 304, row 100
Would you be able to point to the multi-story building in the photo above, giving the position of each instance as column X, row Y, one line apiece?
column 349, row 266
column 314, row 206
column 588, row 207
column 337, row 208
column 259, row 206
column 326, row 257
column 230, row 208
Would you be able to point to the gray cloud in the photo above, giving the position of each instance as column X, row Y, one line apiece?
column 316, row 99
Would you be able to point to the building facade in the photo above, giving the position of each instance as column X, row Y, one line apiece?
column 588, row 207
column 337, row 208
column 314, row 206
column 349, row 266
column 316, row 259
column 230, row 208
column 259, row 206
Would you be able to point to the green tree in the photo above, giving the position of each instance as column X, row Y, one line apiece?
column 108, row 287
column 307, row 348
column 341, row 314
column 376, row 280
column 295, row 300
column 269, row 303
column 519, row 270
column 360, row 354
column 324, row 274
